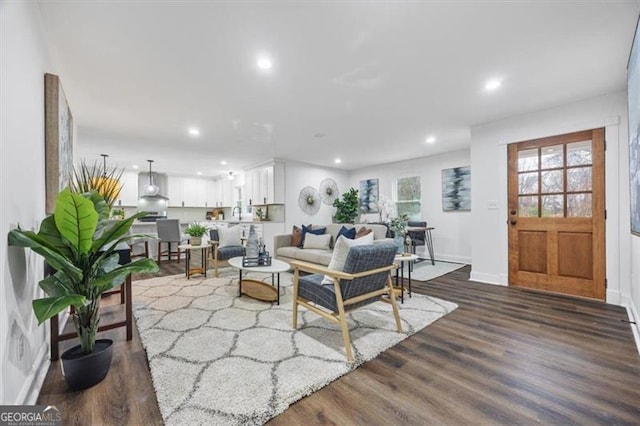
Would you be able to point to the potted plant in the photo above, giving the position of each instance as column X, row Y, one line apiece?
column 347, row 208
column 80, row 244
column 196, row 232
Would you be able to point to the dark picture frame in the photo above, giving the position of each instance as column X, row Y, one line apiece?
column 58, row 140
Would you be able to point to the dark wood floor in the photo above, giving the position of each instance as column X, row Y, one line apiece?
column 505, row 356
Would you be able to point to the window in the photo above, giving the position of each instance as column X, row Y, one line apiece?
column 409, row 197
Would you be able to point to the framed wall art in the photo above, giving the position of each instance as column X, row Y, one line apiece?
column 456, row 189
column 58, row 140
column 633, row 93
column 369, row 195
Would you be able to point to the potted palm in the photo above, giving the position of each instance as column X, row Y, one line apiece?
column 196, row 232
column 80, row 244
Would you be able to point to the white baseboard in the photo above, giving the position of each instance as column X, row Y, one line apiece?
column 632, row 313
column 28, row 395
column 453, row 258
column 485, row 278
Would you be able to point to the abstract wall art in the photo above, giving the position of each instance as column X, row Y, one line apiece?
column 369, row 195
column 456, row 189
column 633, row 93
column 58, row 140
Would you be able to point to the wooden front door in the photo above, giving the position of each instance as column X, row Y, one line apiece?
column 557, row 214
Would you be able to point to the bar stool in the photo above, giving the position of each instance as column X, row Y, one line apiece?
column 169, row 233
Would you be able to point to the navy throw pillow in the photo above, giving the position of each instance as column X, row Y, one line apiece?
column 308, row 229
column 348, row 233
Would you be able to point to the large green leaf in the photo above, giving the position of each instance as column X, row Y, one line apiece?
column 49, row 232
column 50, row 306
column 29, row 239
column 116, row 276
column 99, row 204
column 57, row 285
column 115, row 231
column 76, row 219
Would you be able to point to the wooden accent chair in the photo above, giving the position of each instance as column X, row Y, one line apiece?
column 366, row 278
column 221, row 255
column 169, row 233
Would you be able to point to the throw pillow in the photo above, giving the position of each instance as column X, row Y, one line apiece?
column 349, row 233
column 296, row 236
column 229, row 236
column 363, row 231
column 341, row 251
column 308, row 229
column 320, row 242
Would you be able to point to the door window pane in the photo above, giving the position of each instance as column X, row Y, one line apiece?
column 552, row 181
column 579, row 179
column 528, row 206
column 579, row 153
column 528, row 183
column 552, row 157
column 552, row 206
column 578, row 205
column 528, row 160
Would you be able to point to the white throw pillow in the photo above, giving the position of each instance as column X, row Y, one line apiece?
column 312, row 241
column 229, row 236
column 341, row 251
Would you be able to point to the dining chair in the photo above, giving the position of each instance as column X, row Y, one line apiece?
column 169, row 233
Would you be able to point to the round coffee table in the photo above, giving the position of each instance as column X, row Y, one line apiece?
column 258, row 289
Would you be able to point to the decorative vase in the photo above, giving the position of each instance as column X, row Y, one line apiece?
column 252, row 247
column 398, row 240
column 196, row 241
column 81, row 371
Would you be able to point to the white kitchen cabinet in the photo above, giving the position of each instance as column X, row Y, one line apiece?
column 211, row 195
column 129, row 190
column 174, row 189
column 267, row 183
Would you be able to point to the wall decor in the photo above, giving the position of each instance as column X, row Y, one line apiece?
column 328, row 191
column 369, row 190
column 456, row 189
column 309, row 200
column 633, row 93
column 58, row 140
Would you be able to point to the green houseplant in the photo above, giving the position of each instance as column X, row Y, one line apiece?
column 347, row 208
column 196, row 232
column 79, row 242
column 399, row 227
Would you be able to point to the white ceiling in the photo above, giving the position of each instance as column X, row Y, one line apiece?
column 363, row 81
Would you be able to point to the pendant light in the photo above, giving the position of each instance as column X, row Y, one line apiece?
column 151, row 189
column 230, row 176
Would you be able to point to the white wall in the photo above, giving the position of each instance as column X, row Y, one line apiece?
column 23, row 344
column 489, row 183
column 299, row 175
column 451, row 236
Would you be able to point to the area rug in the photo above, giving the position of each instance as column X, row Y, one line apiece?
column 425, row 271
column 217, row 358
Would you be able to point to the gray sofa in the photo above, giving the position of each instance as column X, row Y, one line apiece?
column 283, row 249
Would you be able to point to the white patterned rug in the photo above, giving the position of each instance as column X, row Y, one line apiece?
column 425, row 271
column 219, row 359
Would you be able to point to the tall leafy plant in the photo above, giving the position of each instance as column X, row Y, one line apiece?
column 80, row 244
column 347, row 208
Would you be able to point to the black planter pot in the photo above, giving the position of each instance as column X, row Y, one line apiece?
column 81, row 371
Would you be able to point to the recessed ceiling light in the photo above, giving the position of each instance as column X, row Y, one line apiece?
column 337, row 161
column 224, row 163
column 264, row 63
column 199, row 173
column 492, row 84
column 194, row 132
column 135, row 166
column 431, row 139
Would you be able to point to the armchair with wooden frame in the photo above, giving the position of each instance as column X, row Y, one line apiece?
column 221, row 255
column 366, row 278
